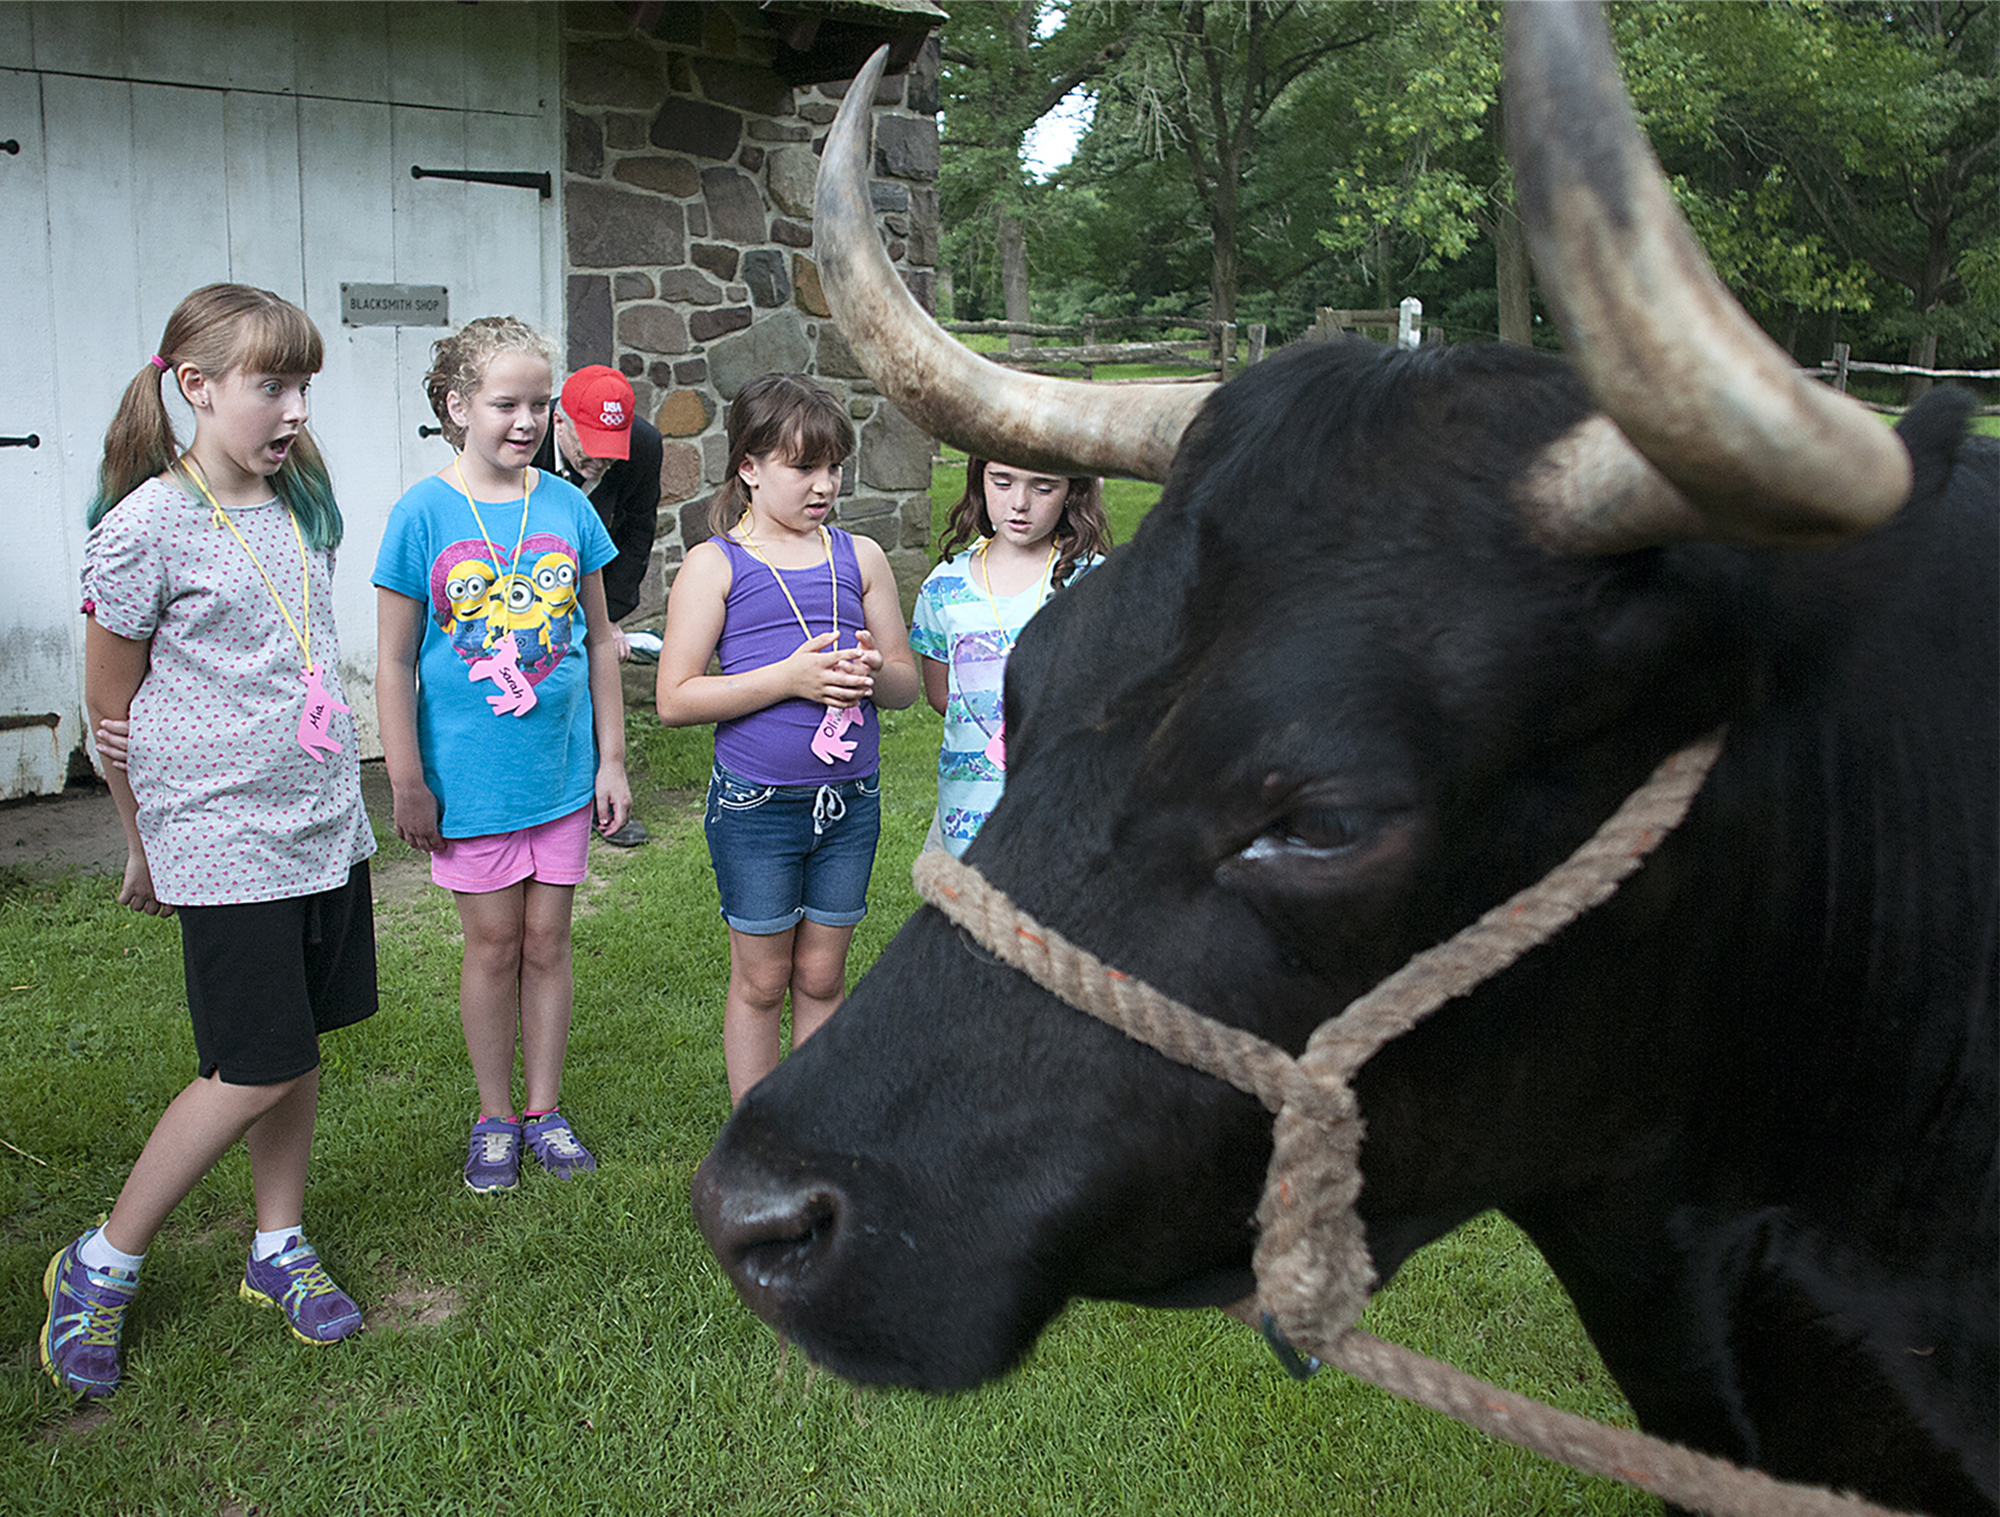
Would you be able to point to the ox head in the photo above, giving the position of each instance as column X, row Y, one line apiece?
column 1383, row 653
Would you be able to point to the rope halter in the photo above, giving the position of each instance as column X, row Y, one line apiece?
column 1314, row 1277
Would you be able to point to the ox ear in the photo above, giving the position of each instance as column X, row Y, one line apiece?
column 1591, row 492
column 1725, row 425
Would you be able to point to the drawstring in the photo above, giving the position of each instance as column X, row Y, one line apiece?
column 828, row 808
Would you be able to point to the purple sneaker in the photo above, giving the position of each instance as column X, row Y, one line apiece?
column 293, row 1279
column 556, row 1146
column 494, row 1162
column 86, row 1316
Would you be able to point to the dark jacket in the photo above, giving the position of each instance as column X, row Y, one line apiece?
column 628, row 499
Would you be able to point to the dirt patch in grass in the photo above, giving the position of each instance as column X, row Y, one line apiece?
column 413, row 1304
column 88, row 1418
column 397, row 882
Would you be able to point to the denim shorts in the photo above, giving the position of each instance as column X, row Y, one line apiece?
column 782, row 852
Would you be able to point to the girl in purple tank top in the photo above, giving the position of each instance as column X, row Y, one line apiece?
column 805, row 623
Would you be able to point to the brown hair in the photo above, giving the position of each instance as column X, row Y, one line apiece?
column 221, row 329
column 1083, row 531
column 459, row 362
column 785, row 414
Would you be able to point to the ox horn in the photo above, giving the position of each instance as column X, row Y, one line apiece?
column 1059, row 425
column 1746, row 448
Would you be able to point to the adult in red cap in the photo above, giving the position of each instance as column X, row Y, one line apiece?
column 597, row 407
column 600, row 445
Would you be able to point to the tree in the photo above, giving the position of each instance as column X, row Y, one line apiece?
column 1869, row 131
column 1840, row 162
column 1199, row 81
column 1005, row 67
column 1428, row 167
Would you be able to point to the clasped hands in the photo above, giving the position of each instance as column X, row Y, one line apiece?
column 832, row 676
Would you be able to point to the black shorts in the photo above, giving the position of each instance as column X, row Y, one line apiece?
column 265, row 979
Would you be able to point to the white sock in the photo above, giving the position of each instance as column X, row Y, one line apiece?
column 97, row 1253
column 264, row 1245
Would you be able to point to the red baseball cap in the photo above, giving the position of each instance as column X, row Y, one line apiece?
column 598, row 401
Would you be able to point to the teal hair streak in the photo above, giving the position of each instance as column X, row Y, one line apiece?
column 302, row 483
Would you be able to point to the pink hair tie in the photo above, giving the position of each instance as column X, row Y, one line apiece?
column 158, row 362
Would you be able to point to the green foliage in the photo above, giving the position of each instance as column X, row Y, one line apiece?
column 1831, row 157
column 1006, row 65
column 1839, row 161
column 1421, row 164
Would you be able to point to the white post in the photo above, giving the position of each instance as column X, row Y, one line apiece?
column 1409, row 322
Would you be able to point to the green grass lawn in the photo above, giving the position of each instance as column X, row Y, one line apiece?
column 573, row 1348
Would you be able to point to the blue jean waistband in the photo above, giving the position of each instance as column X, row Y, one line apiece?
column 843, row 788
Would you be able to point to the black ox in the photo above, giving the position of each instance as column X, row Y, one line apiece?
column 1402, row 630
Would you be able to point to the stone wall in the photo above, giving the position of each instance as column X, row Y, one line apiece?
column 688, row 172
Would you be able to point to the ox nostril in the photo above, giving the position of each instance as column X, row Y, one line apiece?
column 767, row 1233
column 775, row 1248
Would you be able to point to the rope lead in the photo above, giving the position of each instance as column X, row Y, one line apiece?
column 1313, row 1273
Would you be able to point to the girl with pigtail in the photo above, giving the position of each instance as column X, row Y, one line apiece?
column 211, row 674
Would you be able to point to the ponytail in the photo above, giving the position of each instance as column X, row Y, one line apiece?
column 138, row 445
column 218, row 329
column 727, row 505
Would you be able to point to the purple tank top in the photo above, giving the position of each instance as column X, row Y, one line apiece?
column 774, row 746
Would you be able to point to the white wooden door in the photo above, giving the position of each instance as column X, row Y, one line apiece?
column 41, row 635
column 166, row 147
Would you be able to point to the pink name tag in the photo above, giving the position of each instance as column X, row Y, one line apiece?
column 828, row 745
column 517, row 695
column 315, row 735
column 996, row 749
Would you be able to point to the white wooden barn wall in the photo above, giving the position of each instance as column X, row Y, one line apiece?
column 163, row 147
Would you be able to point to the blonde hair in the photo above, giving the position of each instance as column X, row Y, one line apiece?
column 459, row 362
column 785, row 414
column 221, row 329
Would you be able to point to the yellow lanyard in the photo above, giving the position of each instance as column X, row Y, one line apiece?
column 303, row 639
column 485, row 537
column 986, row 579
column 825, row 537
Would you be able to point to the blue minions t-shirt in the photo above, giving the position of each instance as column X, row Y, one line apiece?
column 503, row 710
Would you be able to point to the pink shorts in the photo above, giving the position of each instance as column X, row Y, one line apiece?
column 556, row 853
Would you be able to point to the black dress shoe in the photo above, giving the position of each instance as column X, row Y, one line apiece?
column 631, row 835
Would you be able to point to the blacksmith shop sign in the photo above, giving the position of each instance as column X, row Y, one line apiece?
column 394, row 305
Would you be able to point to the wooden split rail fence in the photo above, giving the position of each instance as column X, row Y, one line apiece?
column 1838, row 367
column 1214, row 354
column 1211, row 356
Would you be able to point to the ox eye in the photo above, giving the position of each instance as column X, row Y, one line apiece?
column 1314, row 831
column 1322, row 844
